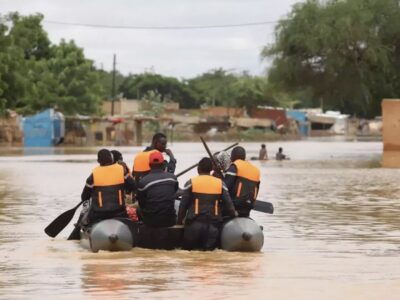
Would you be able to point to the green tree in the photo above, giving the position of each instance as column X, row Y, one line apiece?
column 105, row 80
column 345, row 53
column 136, row 86
column 249, row 91
column 36, row 75
column 214, row 87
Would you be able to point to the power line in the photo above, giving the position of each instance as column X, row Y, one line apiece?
column 184, row 27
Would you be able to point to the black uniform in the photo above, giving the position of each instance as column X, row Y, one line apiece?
column 106, row 188
column 201, row 203
column 243, row 181
column 156, row 195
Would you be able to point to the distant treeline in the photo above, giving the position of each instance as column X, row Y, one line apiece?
column 341, row 55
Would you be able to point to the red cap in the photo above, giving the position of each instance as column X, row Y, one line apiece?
column 156, row 158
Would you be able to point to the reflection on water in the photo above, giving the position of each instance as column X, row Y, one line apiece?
column 335, row 233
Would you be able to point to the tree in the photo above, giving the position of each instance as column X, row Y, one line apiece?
column 214, row 87
column 251, row 91
column 344, row 52
column 105, row 80
column 169, row 88
column 36, row 75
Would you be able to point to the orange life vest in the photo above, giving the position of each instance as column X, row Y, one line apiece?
column 207, row 192
column 108, row 188
column 248, row 178
column 141, row 164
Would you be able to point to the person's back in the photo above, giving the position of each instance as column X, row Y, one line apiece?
column 106, row 188
column 156, row 194
column 200, row 206
column 243, row 182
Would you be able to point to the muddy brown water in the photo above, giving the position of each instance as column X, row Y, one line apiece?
column 335, row 233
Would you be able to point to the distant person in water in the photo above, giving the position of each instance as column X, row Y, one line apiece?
column 263, row 154
column 279, row 155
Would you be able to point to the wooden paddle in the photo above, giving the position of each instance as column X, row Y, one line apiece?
column 195, row 165
column 61, row 221
column 261, row 206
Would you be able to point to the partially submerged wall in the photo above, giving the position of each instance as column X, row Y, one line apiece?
column 391, row 133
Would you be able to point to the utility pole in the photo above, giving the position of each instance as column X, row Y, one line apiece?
column 113, row 87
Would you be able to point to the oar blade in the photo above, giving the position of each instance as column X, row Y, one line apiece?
column 263, row 206
column 60, row 223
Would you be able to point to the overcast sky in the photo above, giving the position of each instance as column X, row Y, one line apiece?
column 179, row 53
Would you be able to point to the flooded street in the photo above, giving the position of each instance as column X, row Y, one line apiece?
column 335, row 233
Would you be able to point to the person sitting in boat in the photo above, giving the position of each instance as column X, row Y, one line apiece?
column 223, row 161
column 118, row 159
column 279, row 155
column 263, row 154
column 141, row 165
column 243, row 181
column 156, row 194
column 106, row 188
column 200, row 206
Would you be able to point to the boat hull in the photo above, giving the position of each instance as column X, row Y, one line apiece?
column 239, row 234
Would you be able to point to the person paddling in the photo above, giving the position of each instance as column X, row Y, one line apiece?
column 200, row 206
column 243, row 181
column 106, row 188
column 141, row 165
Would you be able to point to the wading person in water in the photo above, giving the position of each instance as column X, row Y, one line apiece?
column 263, row 154
column 201, row 204
column 279, row 155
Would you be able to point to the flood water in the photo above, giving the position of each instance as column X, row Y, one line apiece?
column 335, row 233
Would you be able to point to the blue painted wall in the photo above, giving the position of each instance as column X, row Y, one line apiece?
column 301, row 118
column 43, row 129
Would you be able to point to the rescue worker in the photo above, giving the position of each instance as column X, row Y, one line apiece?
column 106, row 188
column 201, row 204
column 141, row 165
column 243, row 181
column 156, row 194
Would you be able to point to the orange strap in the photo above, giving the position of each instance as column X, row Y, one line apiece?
column 100, row 200
column 239, row 190
column 120, row 197
column 196, row 206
